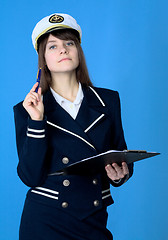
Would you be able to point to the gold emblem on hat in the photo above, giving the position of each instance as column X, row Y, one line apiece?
column 56, row 19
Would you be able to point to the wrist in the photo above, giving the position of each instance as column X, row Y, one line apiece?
column 40, row 118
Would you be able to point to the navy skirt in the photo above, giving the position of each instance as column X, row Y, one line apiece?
column 41, row 222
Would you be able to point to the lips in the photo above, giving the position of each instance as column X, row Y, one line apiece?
column 64, row 59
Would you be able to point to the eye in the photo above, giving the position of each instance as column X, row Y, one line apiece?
column 70, row 43
column 52, row 47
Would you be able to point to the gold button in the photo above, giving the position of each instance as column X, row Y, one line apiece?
column 65, row 160
column 66, row 182
column 96, row 203
column 95, row 181
column 64, row 204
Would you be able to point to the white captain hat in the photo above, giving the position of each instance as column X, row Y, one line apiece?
column 54, row 22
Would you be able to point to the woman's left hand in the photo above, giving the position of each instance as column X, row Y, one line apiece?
column 116, row 172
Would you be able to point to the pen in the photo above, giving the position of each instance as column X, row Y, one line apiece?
column 38, row 79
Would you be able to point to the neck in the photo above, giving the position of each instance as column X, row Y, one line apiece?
column 65, row 84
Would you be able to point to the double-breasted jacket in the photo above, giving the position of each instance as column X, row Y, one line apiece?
column 44, row 147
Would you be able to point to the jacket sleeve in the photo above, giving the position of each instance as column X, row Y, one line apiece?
column 118, row 138
column 31, row 141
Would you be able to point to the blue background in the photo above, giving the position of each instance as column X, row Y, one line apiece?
column 126, row 48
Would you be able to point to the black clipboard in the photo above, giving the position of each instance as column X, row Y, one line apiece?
column 96, row 164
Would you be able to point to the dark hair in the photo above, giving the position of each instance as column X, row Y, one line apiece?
column 82, row 74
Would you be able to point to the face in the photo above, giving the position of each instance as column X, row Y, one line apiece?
column 61, row 55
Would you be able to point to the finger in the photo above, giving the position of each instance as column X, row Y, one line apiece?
column 28, row 100
column 125, row 168
column 31, row 100
column 34, row 95
column 40, row 93
column 111, row 173
column 31, row 97
column 119, row 170
column 34, row 87
column 110, row 169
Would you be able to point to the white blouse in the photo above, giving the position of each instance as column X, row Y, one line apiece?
column 71, row 107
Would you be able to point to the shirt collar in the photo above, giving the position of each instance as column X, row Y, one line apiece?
column 61, row 100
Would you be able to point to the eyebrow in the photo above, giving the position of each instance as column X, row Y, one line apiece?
column 52, row 41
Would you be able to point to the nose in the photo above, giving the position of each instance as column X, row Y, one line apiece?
column 63, row 50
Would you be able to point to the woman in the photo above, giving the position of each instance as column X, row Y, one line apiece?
column 71, row 121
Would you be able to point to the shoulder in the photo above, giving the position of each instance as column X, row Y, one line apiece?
column 105, row 91
column 18, row 105
column 19, row 110
column 107, row 95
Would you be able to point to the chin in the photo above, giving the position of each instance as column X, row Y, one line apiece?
column 66, row 70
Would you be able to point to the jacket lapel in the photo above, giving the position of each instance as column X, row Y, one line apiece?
column 90, row 113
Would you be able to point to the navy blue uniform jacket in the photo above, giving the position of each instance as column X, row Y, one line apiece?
column 49, row 145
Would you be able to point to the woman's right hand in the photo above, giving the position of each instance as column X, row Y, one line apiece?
column 33, row 104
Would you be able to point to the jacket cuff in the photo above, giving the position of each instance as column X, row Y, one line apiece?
column 36, row 129
column 118, row 183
